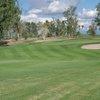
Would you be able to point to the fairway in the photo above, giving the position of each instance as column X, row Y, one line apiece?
column 58, row 70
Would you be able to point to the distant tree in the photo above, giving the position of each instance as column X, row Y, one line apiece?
column 17, row 30
column 43, row 32
column 60, row 25
column 33, row 29
column 29, row 29
column 39, row 25
column 92, row 29
column 52, row 28
column 56, row 27
column 47, row 25
column 97, row 19
column 9, row 16
column 71, row 21
column 63, row 28
column 82, row 26
column 79, row 28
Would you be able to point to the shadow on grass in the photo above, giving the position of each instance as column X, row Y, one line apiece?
column 3, row 43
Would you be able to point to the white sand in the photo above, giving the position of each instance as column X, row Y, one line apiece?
column 91, row 46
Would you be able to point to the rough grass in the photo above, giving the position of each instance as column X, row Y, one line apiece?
column 58, row 70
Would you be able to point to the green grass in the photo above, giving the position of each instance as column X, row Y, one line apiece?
column 58, row 70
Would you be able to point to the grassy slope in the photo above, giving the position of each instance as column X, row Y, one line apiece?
column 50, row 71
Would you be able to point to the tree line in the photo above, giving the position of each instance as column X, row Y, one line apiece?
column 12, row 27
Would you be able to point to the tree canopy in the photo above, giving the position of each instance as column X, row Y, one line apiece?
column 97, row 19
column 71, row 20
column 9, row 16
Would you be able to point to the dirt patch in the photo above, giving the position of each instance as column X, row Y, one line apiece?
column 91, row 46
column 15, row 42
column 49, row 39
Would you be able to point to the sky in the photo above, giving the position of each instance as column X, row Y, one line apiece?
column 41, row 10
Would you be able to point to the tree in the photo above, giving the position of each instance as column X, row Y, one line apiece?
column 92, row 29
column 27, row 30
column 97, row 19
column 51, row 27
column 71, row 21
column 33, row 29
column 82, row 26
column 60, row 25
column 43, row 32
column 9, row 16
column 47, row 25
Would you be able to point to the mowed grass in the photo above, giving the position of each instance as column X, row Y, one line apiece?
column 58, row 70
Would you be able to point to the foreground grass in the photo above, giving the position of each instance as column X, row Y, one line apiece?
column 50, row 71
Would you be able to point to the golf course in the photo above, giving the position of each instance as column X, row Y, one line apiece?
column 51, row 70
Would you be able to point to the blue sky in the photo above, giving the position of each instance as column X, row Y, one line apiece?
column 88, row 4
column 40, row 10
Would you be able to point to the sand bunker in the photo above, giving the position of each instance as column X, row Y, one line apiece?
column 91, row 46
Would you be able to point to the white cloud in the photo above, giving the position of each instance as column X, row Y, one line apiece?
column 34, row 18
column 84, row 22
column 35, row 11
column 43, row 19
column 87, row 13
column 29, row 18
column 54, row 7
column 57, row 6
column 42, row 10
column 86, row 16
